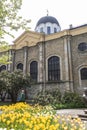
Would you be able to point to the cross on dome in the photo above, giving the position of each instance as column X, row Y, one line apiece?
column 47, row 12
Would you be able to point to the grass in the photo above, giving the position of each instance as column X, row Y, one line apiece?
column 5, row 103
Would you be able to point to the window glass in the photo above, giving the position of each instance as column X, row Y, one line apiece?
column 48, row 30
column 34, row 70
column 82, row 46
column 55, row 30
column 84, row 74
column 2, row 68
column 20, row 66
column 41, row 29
column 53, row 68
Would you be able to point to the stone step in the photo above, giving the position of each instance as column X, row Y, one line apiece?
column 82, row 115
column 85, row 111
column 83, row 119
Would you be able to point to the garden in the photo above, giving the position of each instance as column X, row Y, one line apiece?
column 41, row 113
column 22, row 116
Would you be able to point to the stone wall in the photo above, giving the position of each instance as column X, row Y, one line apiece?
column 71, row 61
column 78, row 60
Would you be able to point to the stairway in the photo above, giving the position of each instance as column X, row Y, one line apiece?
column 83, row 116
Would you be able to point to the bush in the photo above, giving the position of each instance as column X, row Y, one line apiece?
column 70, row 97
column 59, row 101
column 71, row 100
column 43, row 99
column 49, row 97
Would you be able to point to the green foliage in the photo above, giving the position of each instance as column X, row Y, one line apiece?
column 3, row 80
column 70, row 97
column 13, row 82
column 71, row 100
column 49, row 97
column 59, row 101
column 10, row 20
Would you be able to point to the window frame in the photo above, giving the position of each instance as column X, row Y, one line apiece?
column 82, row 47
column 83, row 73
column 41, row 30
column 34, row 70
column 48, row 30
column 55, row 30
column 19, row 66
column 2, row 69
column 54, row 68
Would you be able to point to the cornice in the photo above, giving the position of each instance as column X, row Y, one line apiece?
column 67, row 32
column 31, row 38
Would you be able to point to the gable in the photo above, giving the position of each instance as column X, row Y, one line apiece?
column 28, row 38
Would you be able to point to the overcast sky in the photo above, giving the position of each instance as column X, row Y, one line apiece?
column 65, row 11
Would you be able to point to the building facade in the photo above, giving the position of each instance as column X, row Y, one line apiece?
column 56, row 59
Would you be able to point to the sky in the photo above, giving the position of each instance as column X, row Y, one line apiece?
column 67, row 12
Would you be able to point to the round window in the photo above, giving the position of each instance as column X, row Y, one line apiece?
column 82, row 46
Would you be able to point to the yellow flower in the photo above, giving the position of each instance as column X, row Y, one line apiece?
column 8, row 122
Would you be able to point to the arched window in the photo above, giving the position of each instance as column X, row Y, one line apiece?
column 55, row 30
column 41, row 29
column 48, row 30
column 20, row 66
column 53, row 68
column 34, row 70
column 2, row 68
column 83, row 73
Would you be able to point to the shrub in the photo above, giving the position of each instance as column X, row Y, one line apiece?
column 59, row 101
column 49, row 97
column 71, row 100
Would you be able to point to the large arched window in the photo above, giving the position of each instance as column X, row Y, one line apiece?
column 53, row 68
column 2, row 68
column 83, row 73
column 20, row 66
column 34, row 70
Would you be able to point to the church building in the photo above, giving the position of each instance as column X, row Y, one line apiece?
column 54, row 58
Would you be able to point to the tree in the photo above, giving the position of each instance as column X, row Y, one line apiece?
column 17, row 81
column 9, row 20
column 14, row 82
column 3, row 84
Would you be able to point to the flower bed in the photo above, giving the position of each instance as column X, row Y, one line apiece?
column 22, row 116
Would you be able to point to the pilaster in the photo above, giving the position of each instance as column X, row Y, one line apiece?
column 66, row 63
column 70, row 63
column 12, row 65
column 25, row 49
column 40, row 78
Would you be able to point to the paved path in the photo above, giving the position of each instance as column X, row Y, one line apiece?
column 73, row 112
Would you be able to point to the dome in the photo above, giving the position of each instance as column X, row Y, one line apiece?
column 47, row 25
column 47, row 19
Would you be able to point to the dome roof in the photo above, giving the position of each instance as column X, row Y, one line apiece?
column 46, row 19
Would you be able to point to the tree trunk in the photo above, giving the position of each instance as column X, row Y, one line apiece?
column 13, row 96
column 3, row 95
